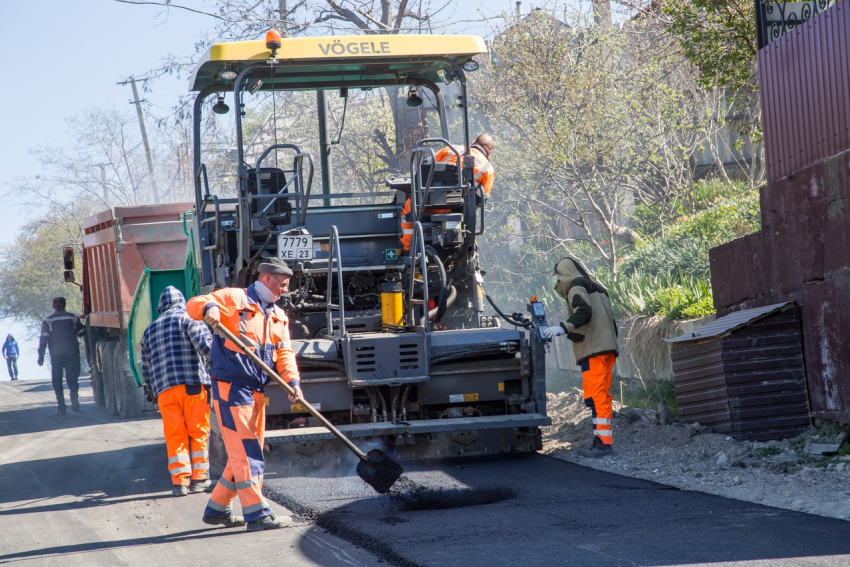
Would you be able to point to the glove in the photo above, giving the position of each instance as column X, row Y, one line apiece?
column 552, row 332
column 148, row 389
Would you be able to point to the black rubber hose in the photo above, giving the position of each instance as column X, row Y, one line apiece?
column 444, row 287
column 404, row 397
column 323, row 362
column 512, row 321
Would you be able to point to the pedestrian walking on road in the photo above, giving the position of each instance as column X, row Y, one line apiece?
column 59, row 335
column 593, row 332
column 237, row 386
column 11, row 352
column 175, row 375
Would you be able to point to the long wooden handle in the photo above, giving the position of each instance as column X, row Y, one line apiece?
column 288, row 389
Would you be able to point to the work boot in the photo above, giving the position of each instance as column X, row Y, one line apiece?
column 597, row 450
column 75, row 405
column 230, row 521
column 180, row 490
column 60, row 411
column 271, row 522
column 199, row 486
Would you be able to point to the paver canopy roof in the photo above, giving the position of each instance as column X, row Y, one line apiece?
column 335, row 59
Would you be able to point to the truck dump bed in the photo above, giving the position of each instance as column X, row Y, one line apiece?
column 119, row 244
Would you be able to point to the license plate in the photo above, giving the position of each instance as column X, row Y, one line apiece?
column 299, row 247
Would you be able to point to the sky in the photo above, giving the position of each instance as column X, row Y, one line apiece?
column 62, row 57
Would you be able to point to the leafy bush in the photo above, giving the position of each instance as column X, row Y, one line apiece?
column 669, row 275
column 674, row 296
column 684, row 246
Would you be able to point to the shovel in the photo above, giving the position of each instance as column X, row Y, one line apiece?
column 376, row 468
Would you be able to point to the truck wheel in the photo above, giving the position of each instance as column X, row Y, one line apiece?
column 97, row 378
column 129, row 397
column 108, row 378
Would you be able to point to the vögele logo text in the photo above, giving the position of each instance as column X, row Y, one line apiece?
column 356, row 48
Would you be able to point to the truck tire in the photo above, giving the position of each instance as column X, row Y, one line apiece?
column 129, row 398
column 108, row 379
column 97, row 377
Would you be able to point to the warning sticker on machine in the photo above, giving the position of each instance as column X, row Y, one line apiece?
column 295, row 408
column 457, row 398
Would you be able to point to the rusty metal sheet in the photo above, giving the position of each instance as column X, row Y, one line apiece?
column 725, row 325
column 804, row 78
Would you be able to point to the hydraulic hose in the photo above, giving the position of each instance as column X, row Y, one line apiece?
column 511, row 320
column 317, row 361
column 441, row 271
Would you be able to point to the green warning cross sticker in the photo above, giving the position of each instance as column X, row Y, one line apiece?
column 391, row 253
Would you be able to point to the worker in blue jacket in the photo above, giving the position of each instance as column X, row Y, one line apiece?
column 11, row 352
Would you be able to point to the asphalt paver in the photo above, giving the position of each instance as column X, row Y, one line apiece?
column 561, row 514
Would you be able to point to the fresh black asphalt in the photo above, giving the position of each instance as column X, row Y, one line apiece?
column 562, row 514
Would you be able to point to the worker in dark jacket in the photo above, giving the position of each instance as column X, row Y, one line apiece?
column 59, row 335
column 593, row 332
column 11, row 352
column 175, row 374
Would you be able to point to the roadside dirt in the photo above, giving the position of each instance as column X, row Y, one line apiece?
column 775, row 473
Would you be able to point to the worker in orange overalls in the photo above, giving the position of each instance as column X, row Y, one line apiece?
column 175, row 374
column 593, row 332
column 237, row 387
column 483, row 173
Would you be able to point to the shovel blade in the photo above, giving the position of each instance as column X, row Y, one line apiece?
column 379, row 471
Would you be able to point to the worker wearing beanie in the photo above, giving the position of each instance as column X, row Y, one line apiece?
column 237, row 388
column 593, row 332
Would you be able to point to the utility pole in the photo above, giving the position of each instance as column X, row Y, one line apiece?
column 138, row 103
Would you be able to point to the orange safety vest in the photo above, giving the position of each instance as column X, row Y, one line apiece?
column 483, row 171
column 266, row 333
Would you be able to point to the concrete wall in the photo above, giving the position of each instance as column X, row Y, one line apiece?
column 801, row 254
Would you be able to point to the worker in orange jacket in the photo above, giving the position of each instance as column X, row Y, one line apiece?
column 593, row 331
column 483, row 173
column 237, row 387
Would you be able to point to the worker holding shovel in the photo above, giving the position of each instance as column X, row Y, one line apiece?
column 237, row 386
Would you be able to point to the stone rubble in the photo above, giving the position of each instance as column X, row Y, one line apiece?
column 653, row 445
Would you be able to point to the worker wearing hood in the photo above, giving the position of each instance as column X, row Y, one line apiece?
column 593, row 332
column 173, row 348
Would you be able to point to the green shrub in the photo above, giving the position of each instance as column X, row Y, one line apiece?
column 674, row 296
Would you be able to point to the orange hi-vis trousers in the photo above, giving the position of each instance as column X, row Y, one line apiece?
column 596, row 376
column 185, row 422
column 241, row 414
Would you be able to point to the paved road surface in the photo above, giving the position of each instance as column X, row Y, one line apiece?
column 89, row 489
column 565, row 515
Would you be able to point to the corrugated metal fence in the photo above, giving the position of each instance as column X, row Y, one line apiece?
column 804, row 80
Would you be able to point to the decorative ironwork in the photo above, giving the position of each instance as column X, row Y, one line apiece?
column 775, row 18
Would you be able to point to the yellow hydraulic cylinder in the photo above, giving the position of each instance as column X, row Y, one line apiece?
column 392, row 304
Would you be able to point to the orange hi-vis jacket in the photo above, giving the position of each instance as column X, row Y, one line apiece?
column 484, row 176
column 483, row 171
column 264, row 332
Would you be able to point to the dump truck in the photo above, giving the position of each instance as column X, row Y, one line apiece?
column 394, row 348
column 129, row 255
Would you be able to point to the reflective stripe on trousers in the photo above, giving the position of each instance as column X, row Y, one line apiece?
column 597, row 375
column 186, row 426
column 241, row 415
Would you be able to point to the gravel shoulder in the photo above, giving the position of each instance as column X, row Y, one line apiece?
column 782, row 474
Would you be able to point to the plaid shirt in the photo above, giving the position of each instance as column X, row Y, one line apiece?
column 173, row 344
